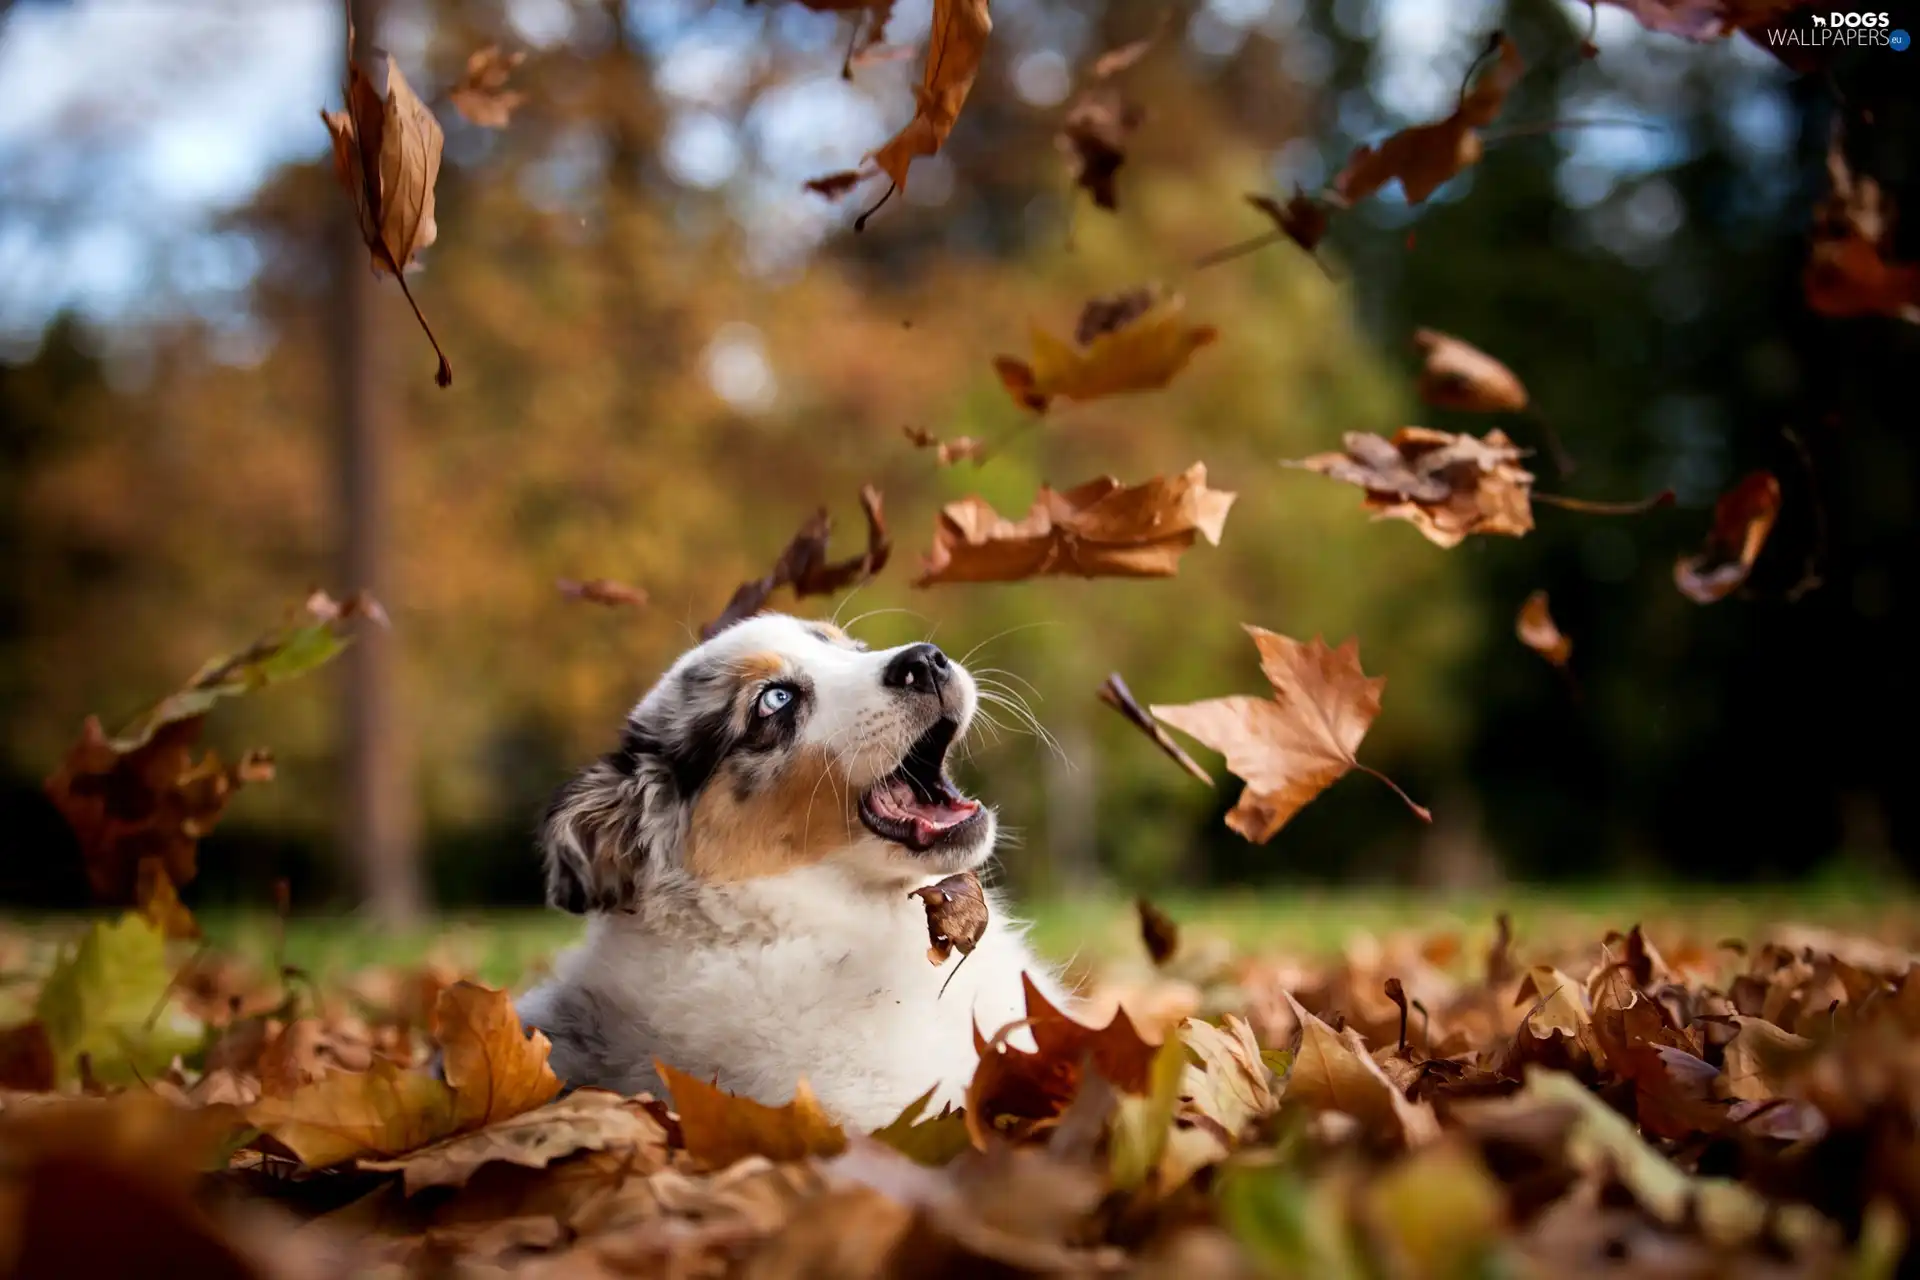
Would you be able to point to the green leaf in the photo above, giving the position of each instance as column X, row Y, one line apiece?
column 935, row 1140
column 1294, row 1227
column 1141, row 1126
column 108, row 999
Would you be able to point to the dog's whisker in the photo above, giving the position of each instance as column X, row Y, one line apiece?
column 1021, row 712
column 1001, row 635
column 1011, row 675
column 853, row 622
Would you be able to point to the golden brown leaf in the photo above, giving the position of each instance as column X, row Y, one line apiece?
column 494, row 1067
column 720, row 1128
column 956, row 915
column 1742, row 519
column 1017, row 1094
column 1292, row 746
column 960, row 29
column 482, row 95
column 1537, row 631
column 1446, row 486
column 803, row 565
column 964, row 449
column 1302, row 219
column 1425, row 156
column 1761, row 1057
column 1458, row 375
column 1098, row 530
column 1116, row 695
column 386, row 153
column 1133, row 341
column 1332, row 1071
column 585, row 1120
column 1850, row 271
column 603, row 591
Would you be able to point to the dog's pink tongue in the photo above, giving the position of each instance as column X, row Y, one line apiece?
column 929, row 818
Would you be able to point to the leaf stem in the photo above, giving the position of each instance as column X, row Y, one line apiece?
column 1420, row 811
column 1664, row 498
column 443, row 376
column 1238, row 249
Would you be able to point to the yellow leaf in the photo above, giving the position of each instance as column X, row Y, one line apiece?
column 1133, row 341
column 1142, row 1125
column 383, row 1111
column 720, row 1128
column 494, row 1068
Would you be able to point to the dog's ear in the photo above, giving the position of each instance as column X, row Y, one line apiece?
column 599, row 834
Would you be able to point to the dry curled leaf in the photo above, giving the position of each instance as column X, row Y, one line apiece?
column 1302, row 219
column 1294, row 745
column 1447, row 486
column 1116, row 695
column 1458, row 375
column 1016, row 1094
column 1850, row 270
column 959, row 38
column 603, row 591
column 1536, row 628
column 804, row 566
column 1332, row 1071
column 964, row 449
column 585, row 1120
column 956, row 915
column 1742, row 519
column 1426, row 156
column 719, row 1128
column 1094, row 136
column 482, row 95
column 493, row 1070
column 386, row 153
column 1158, row 932
column 1133, row 341
column 140, row 800
column 1097, row 530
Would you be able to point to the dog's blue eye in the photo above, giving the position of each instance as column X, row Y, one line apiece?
column 774, row 699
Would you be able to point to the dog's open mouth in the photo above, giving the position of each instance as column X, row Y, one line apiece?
column 916, row 805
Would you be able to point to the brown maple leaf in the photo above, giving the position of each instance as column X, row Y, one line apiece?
column 719, row 1128
column 603, row 591
column 1294, row 745
column 1425, row 156
column 482, row 95
column 1457, row 375
column 1742, row 519
column 1447, row 486
column 386, row 153
column 1537, row 631
column 960, row 29
column 1016, row 1094
column 1094, row 136
column 1131, row 341
column 963, row 449
column 1116, row 695
column 1100, row 529
column 1332, row 1071
column 956, row 915
column 804, row 566
column 140, row 800
column 1850, row 271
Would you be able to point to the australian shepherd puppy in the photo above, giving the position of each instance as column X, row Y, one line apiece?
column 746, row 861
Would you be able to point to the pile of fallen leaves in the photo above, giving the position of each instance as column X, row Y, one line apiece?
column 1415, row 1108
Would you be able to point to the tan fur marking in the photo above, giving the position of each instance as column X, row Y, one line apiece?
column 758, row 666
column 834, row 633
column 794, row 822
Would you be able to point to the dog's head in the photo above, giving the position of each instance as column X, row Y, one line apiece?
column 777, row 744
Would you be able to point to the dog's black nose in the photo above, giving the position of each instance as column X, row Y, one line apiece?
column 918, row 668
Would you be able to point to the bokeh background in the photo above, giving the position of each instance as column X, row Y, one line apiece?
column 668, row 354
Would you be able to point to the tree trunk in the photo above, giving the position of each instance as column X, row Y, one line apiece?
column 377, row 779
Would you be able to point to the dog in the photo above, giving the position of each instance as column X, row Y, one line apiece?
column 746, row 861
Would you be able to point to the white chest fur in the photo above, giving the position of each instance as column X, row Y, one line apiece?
column 755, row 985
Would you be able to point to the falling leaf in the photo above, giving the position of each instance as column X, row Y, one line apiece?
column 1158, row 932
column 1094, row 136
column 1127, row 56
column 482, row 95
column 956, row 915
column 1742, row 519
column 139, row 801
column 964, row 449
column 603, row 591
column 1292, row 746
column 803, row 565
column 1537, row 631
column 493, row 1071
column 720, row 1128
column 1851, row 271
column 1425, row 156
column 107, row 1000
column 585, row 1120
column 960, row 29
column 1703, row 20
column 1133, row 341
column 834, row 185
column 1116, row 695
column 1333, row 1072
column 386, row 153
column 1302, row 219
column 1460, row 376
column 1097, row 530
column 1447, row 486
